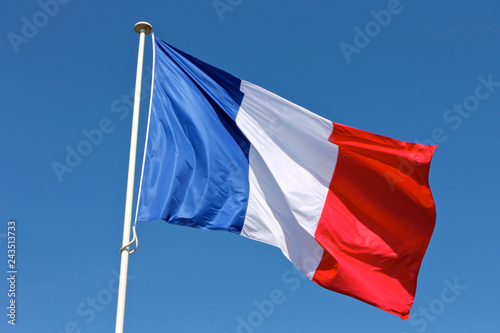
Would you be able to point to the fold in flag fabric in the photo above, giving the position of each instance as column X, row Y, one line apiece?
column 350, row 209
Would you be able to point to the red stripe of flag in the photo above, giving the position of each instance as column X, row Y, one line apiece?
column 377, row 221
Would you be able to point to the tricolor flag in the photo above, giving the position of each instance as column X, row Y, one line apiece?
column 350, row 209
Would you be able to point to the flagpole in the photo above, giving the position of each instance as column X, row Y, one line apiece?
column 142, row 28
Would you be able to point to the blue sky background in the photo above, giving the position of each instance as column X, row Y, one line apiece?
column 77, row 70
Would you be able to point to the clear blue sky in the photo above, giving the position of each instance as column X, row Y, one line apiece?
column 430, row 71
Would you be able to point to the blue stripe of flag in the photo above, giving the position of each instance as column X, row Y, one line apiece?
column 196, row 162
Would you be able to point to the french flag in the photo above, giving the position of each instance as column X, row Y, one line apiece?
column 350, row 209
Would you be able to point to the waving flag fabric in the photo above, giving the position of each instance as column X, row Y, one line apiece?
column 350, row 209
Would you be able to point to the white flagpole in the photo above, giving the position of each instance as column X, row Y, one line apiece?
column 142, row 28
